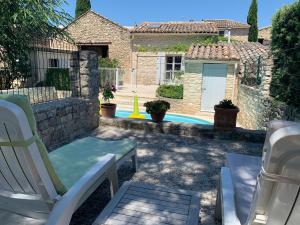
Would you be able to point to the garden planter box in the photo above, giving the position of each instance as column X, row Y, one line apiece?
column 225, row 118
column 108, row 110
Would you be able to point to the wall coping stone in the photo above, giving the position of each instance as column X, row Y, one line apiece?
column 185, row 129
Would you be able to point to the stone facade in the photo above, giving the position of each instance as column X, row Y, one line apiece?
column 257, row 110
column 148, row 67
column 239, row 34
column 95, row 30
column 145, row 67
column 61, row 121
column 193, row 83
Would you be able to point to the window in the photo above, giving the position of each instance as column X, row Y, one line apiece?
column 222, row 33
column 173, row 66
column 54, row 63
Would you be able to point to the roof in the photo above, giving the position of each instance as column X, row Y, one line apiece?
column 228, row 24
column 176, row 27
column 250, row 51
column 243, row 51
column 220, row 52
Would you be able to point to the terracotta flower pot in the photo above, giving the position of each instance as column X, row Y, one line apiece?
column 158, row 117
column 108, row 110
column 225, row 118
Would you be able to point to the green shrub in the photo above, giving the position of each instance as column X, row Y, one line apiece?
column 182, row 47
column 59, row 78
column 157, row 106
column 226, row 104
column 285, row 84
column 108, row 63
column 170, row 91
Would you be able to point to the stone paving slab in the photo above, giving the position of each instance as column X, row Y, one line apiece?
column 177, row 162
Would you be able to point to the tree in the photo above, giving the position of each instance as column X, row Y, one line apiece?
column 22, row 22
column 285, row 84
column 82, row 6
column 252, row 21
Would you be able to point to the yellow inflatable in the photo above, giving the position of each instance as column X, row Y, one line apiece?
column 136, row 114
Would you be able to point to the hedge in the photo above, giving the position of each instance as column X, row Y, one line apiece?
column 59, row 78
column 285, row 84
column 170, row 91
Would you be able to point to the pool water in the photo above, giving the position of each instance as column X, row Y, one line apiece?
column 168, row 117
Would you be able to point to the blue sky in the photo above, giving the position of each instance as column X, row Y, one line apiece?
column 129, row 12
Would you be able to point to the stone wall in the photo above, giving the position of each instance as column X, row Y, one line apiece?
column 93, row 29
column 240, row 34
column 256, row 109
column 145, row 67
column 61, row 121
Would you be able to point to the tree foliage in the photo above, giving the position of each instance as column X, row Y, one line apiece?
column 21, row 22
column 82, row 6
column 252, row 21
column 285, row 85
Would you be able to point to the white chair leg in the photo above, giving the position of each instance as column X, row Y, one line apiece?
column 134, row 162
column 112, row 176
column 218, row 209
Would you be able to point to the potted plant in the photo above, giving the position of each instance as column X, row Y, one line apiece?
column 225, row 114
column 108, row 109
column 157, row 109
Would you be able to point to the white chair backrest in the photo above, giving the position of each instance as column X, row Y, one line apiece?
column 22, row 170
column 278, row 185
column 273, row 126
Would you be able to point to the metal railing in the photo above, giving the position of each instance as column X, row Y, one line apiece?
column 115, row 76
column 44, row 75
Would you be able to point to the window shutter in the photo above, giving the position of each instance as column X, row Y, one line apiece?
column 161, row 67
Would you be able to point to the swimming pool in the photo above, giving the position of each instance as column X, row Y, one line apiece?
column 168, row 117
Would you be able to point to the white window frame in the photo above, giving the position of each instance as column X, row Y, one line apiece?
column 173, row 70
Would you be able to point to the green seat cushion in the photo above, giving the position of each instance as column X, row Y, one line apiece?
column 23, row 102
column 73, row 160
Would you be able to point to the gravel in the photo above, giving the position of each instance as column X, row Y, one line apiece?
column 172, row 161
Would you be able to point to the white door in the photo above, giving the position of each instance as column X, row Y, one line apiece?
column 213, row 85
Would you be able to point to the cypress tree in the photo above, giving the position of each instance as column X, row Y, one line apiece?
column 81, row 7
column 252, row 21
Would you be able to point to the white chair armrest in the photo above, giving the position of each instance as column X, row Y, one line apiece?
column 65, row 207
column 229, row 215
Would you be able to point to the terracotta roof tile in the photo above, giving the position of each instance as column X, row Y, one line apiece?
column 227, row 24
column 219, row 52
column 176, row 27
column 244, row 51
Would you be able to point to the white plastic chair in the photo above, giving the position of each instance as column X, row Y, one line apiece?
column 264, row 190
column 27, row 194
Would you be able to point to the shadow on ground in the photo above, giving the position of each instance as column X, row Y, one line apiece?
column 179, row 162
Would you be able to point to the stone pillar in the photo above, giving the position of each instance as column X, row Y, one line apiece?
column 89, row 74
column 74, row 74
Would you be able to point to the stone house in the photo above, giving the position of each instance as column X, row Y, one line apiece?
column 154, row 59
column 92, row 31
column 237, row 31
column 216, row 72
column 264, row 35
column 150, row 53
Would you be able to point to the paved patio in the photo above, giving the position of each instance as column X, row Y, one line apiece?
column 172, row 161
